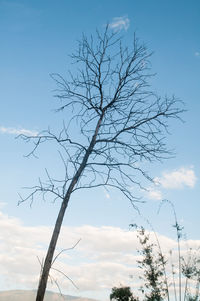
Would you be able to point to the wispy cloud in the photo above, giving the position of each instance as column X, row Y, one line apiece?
column 120, row 23
column 197, row 53
column 154, row 194
column 177, row 179
column 20, row 16
column 107, row 194
column 2, row 204
column 17, row 131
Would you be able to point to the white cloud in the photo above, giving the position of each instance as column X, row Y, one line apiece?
column 177, row 179
column 197, row 53
column 120, row 23
column 15, row 131
column 101, row 253
column 155, row 194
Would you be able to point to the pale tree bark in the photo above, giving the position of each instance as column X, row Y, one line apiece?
column 58, row 224
column 121, row 123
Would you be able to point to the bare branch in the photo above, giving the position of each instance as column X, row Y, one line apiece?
column 116, row 123
column 64, row 250
column 66, row 277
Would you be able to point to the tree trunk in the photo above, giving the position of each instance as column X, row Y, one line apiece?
column 49, row 257
column 50, row 253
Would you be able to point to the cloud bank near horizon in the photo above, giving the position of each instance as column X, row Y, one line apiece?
column 101, row 253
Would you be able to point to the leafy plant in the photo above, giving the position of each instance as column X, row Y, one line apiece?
column 122, row 293
column 182, row 283
column 154, row 288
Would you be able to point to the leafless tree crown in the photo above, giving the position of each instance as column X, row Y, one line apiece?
column 121, row 121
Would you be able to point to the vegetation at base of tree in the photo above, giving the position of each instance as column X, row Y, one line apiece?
column 122, row 293
column 161, row 279
column 153, row 267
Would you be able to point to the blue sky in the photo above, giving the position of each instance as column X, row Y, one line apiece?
column 36, row 38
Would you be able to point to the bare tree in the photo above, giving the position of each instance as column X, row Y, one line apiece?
column 121, row 123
